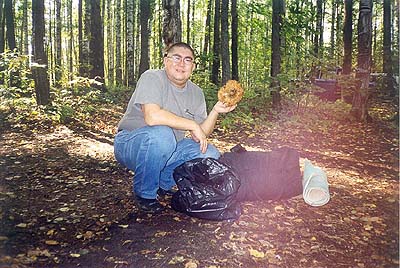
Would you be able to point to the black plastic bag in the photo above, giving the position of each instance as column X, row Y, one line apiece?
column 207, row 190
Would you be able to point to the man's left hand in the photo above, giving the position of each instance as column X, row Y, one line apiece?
column 220, row 107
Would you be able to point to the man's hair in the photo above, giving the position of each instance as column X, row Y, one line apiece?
column 178, row 44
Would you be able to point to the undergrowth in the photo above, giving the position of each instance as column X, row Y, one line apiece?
column 79, row 99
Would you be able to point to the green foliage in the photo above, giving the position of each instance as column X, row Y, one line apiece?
column 309, row 111
column 75, row 100
column 15, row 75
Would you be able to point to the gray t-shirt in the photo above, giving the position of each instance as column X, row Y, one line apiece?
column 154, row 87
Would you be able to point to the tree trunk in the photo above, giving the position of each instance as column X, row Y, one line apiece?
column 333, row 21
column 58, row 71
column 96, row 45
column 364, row 29
column 137, row 40
column 387, row 48
column 80, row 37
column 110, row 45
column 130, row 40
column 374, row 51
column 70, row 42
column 49, row 47
column 318, row 28
column 207, row 29
column 347, row 36
column 338, row 33
column 277, row 13
column 9, row 15
column 172, row 25
column 144, row 36
column 24, row 35
column 234, row 14
column 188, row 23
column 39, row 66
column 117, row 30
column 217, row 43
column 2, row 27
column 84, row 64
column 193, row 20
column 226, row 66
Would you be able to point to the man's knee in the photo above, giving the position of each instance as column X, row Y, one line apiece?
column 212, row 152
column 163, row 137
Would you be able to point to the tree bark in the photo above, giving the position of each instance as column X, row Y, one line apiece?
column 234, row 46
column 347, row 37
column 333, row 30
column 338, row 33
column 318, row 28
column 172, row 24
column 39, row 66
column 70, row 42
column 130, row 46
column 188, row 23
column 58, row 71
column 217, row 43
column 24, row 35
column 364, row 29
column 110, row 45
column 117, row 30
column 277, row 13
column 80, row 37
column 225, row 56
column 9, row 15
column 96, row 45
column 144, row 36
column 84, row 64
column 387, row 47
column 207, row 29
column 2, row 27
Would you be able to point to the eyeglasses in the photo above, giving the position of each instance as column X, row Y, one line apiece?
column 177, row 59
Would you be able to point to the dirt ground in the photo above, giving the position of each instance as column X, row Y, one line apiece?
column 65, row 202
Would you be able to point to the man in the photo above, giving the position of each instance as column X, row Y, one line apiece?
column 151, row 135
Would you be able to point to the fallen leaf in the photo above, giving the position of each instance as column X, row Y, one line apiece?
column 64, row 209
column 127, row 242
column 160, row 234
column 51, row 232
column 176, row 259
column 191, row 264
column 51, row 242
column 256, row 253
column 38, row 252
column 88, row 235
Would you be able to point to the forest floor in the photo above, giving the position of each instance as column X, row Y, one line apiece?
column 65, row 202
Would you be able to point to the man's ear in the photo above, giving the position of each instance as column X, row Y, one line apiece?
column 193, row 67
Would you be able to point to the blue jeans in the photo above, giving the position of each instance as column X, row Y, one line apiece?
column 153, row 153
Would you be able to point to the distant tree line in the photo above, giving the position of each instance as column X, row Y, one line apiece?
column 256, row 42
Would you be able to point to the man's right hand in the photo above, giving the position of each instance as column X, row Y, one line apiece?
column 199, row 136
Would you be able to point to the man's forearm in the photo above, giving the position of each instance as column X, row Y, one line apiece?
column 163, row 117
column 209, row 124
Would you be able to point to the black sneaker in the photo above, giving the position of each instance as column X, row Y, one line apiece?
column 165, row 193
column 148, row 205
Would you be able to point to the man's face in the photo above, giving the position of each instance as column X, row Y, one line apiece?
column 179, row 65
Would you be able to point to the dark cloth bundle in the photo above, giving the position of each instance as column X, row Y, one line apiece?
column 266, row 175
column 212, row 189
